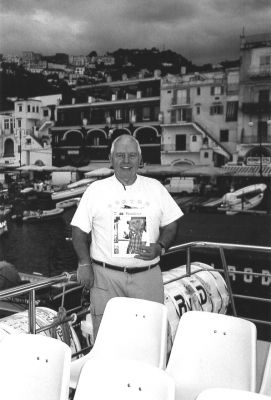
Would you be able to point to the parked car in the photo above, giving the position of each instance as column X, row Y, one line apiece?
column 182, row 185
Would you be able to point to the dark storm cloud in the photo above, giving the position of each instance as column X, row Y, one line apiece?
column 165, row 12
column 201, row 30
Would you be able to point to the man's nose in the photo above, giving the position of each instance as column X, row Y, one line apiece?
column 126, row 158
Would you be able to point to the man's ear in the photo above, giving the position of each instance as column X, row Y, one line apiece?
column 110, row 160
column 141, row 163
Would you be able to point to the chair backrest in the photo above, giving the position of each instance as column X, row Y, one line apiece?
column 133, row 329
column 34, row 367
column 212, row 350
column 266, row 382
column 123, row 380
column 232, row 394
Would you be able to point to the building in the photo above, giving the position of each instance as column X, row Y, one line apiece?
column 200, row 112
column 24, row 132
column 100, row 112
column 254, row 123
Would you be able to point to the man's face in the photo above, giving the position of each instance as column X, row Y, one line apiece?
column 125, row 160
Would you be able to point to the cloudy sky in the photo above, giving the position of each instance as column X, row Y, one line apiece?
column 201, row 30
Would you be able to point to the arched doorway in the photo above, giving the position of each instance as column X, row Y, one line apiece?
column 96, row 145
column 150, row 143
column 9, row 148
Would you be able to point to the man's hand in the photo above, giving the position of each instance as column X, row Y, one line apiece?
column 149, row 252
column 85, row 275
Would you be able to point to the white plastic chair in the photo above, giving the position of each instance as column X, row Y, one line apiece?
column 232, row 394
column 266, row 382
column 34, row 367
column 132, row 329
column 212, row 350
column 101, row 379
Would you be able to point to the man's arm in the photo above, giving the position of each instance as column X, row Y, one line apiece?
column 80, row 240
column 168, row 234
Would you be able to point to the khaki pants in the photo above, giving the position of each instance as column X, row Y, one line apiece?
column 147, row 285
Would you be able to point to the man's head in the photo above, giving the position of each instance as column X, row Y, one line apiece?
column 125, row 157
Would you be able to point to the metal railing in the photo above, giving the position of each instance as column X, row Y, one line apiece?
column 32, row 288
column 188, row 247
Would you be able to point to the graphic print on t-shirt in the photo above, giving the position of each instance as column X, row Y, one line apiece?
column 130, row 231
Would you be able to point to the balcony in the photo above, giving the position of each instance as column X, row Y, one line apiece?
column 263, row 71
column 256, row 108
column 256, row 139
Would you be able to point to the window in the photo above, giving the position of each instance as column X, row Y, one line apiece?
column 198, row 110
column 19, row 123
column 28, row 141
column 118, row 114
column 37, row 109
column 28, row 108
column 216, row 109
column 20, row 107
column 173, row 116
column 194, row 138
column 198, row 91
column 232, row 111
column 6, row 124
column 224, row 135
column 180, row 142
column 146, row 113
column 217, row 90
column 263, row 96
column 262, row 131
column 206, row 154
column 45, row 113
column 33, row 109
column 96, row 141
column 180, row 97
column 265, row 60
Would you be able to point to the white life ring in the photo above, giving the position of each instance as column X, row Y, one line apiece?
column 204, row 290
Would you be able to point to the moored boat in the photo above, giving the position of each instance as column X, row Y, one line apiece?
column 68, row 203
column 42, row 214
column 68, row 193
column 243, row 199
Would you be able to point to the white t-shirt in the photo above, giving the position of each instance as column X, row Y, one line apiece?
column 107, row 208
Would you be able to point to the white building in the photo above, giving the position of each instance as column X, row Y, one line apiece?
column 24, row 133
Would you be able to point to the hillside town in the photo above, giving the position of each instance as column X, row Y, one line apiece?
column 218, row 117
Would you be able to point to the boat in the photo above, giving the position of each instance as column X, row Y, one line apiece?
column 42, row 214
column 193, row 285
column 3, row 226
column 243, row 199
column 69, row 193
column 73, row 201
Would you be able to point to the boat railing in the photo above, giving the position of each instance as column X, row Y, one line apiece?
column 65, row 278
column 221, row 247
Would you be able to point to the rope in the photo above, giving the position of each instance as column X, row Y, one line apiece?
column 59, row 319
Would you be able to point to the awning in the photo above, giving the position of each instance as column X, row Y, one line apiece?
column 93, row 166
column 163, row 170
column 37, row 168
column 204, row 170
column 248, row 170
column 99, row 172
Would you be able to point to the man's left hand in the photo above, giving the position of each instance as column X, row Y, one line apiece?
column 149, row 252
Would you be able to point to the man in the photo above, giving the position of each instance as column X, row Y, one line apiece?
column 104, row 210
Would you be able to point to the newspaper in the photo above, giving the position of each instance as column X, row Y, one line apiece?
column 130, row 232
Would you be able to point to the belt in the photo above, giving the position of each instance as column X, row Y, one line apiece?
column 129, row 270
